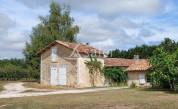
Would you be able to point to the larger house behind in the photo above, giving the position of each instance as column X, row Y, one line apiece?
column 135, row 68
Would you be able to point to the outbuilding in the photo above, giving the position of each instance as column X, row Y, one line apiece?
column 63, row 63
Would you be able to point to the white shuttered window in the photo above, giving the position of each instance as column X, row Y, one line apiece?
column 54, row 54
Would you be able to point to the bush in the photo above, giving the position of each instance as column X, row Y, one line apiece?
column 115, row 75
column 14, row 69
column 12, row 72
column 133, row 85
column 176, row 87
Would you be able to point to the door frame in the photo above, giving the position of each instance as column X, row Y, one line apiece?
column 53, row 66
column 62, row 66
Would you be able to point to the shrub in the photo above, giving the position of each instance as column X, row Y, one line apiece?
column 176, row 87
column 133, row 85
column 13, row 72
column 115, row 75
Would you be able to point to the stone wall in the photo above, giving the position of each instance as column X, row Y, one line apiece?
column 77, row 71
column 84, row 76
column 45, row 67
column 62, row 59
column 133, row 77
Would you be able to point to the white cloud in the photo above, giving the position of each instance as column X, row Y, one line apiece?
column 116, row 7
column 35, row 3
column 5, row 23
column 107, row 35
column 107, row 7
column 9, row 37
column 171, row 32
column 106, row 24
column 104, row 45
column 16, row 22
column 12, row 42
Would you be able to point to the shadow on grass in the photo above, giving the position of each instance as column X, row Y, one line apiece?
column 169, row 91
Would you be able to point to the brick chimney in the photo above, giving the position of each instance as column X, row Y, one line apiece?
column 136, row 58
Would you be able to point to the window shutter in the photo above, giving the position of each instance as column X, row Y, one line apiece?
column 54, row 54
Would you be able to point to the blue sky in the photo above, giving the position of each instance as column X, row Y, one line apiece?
column 105, row 24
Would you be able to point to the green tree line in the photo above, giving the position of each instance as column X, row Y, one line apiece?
column 13, row 69
column 144, row 51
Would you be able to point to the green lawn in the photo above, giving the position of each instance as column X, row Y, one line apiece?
column 115, row 99
column 2, row 83
column 1, row 86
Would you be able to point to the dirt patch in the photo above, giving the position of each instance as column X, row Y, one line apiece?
column 18, row 90
column 13, row 88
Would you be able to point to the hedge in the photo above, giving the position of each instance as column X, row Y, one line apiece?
column 12, row 72
column 115, row 75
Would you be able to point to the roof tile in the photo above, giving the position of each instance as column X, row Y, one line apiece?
column 131, row 64
column 140, row 65
column 81, row 48
column 117, row 62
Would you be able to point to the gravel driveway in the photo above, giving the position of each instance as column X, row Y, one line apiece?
column 14, row 88
column 18, row 90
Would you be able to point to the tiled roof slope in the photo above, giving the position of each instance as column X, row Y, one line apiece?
column 140, row 65
column 81, row 48
column 131, row 64
column 117, row 62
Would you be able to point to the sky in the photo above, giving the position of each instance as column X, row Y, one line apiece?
column 105, row 24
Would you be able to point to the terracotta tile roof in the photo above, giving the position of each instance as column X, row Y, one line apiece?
column 131, row 64
column 81, row 48
column 140, row 65
column 117, row 62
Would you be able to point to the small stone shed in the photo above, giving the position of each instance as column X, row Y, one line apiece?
column 63, row 63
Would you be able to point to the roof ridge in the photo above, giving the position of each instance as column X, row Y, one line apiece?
column 120, row 58
column 83, row 48
column 74, row 43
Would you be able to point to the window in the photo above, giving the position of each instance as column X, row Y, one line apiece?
column 142, row 78
column 54, row 54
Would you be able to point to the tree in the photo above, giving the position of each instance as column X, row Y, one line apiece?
column 95, row 69
column 164, row 71
column 169, row 45
column 144, row 51
column 56, row 26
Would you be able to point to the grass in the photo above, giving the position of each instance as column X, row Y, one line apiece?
column 39, row 86
column 1, row 86
column 115, row 99
column 2, row 83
